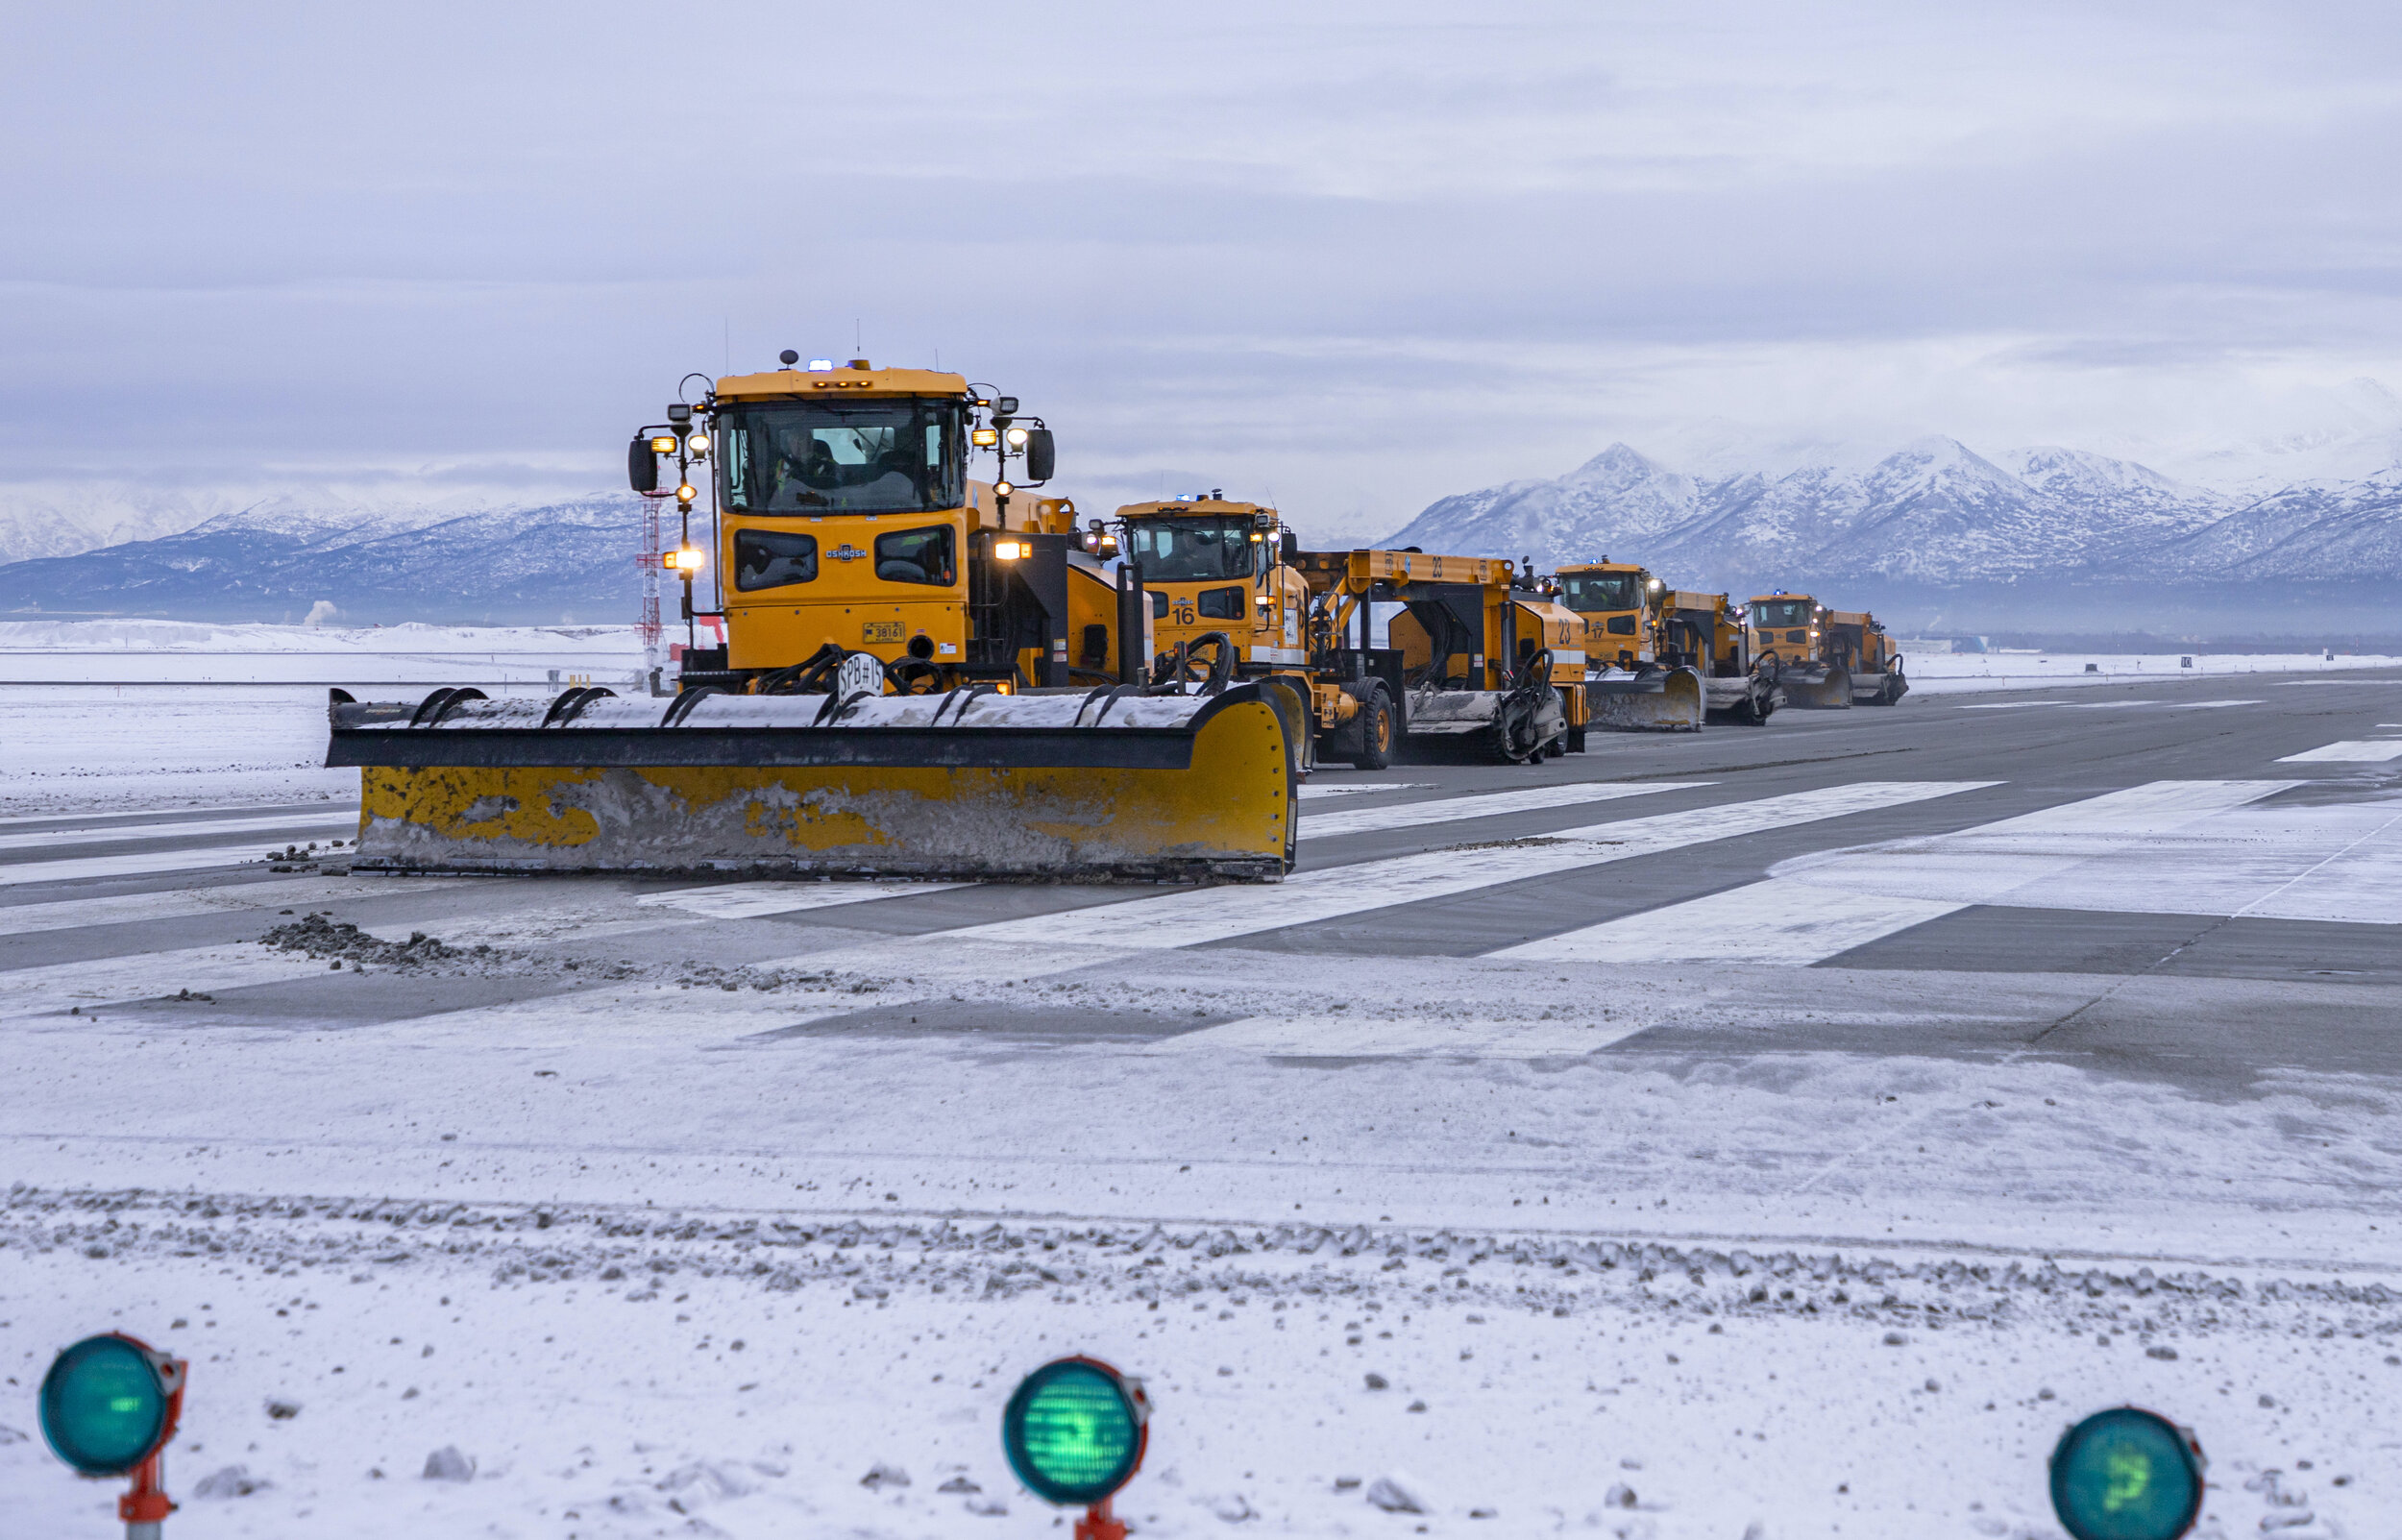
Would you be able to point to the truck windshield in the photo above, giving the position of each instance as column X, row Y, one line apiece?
column 1598, row 593
column 1775, row 612
column 1183, row 551
column 864, row 456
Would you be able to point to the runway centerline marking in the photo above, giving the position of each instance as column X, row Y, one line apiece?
column 1493, row 805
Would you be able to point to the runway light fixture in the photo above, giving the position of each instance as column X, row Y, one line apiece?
column 108, row 1404
column 1074, row 1433
column 2127, row 1474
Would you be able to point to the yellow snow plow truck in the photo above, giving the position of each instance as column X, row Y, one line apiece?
column 1703, row 632
column 1478, row 659
column 1470, row 658
column 923, row 674
column 1790, row 639
column 1858, row 643
column 1630, row 685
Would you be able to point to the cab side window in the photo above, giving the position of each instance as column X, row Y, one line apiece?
column 917, row 557
column 770, row 558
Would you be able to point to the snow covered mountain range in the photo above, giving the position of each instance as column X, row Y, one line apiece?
column 570, row 561
column 1932, row 535
column 1932, row 515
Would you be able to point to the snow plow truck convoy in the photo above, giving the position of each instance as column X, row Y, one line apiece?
column 927, row 675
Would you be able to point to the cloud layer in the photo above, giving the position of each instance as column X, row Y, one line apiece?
column 1352, row 262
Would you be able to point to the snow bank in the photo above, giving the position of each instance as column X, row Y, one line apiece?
column 1939, row 674
column 143, row 651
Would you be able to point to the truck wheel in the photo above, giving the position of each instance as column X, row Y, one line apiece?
column 1375, row 733
column 1576, row 740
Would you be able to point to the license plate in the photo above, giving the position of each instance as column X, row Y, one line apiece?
column 880, row 632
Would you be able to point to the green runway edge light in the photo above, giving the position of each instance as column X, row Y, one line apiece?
column 2127, row 1474
column 104, row 1406
column 1074, row 1432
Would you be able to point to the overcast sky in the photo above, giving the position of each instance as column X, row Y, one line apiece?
column 1353, row 257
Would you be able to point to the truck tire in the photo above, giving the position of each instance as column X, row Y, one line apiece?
column 1375, row 733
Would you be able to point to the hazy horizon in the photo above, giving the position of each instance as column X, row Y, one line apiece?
column 1350, row 263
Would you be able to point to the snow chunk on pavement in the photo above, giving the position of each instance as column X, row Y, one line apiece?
column 448, row 1464
column 1396, row 1495
column 233, row 1481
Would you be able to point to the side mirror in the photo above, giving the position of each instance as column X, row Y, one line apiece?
column 642, row 467
column 1288, row 548
column 1042, row 457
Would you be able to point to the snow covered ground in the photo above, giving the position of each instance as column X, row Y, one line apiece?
column 179, row 651
column 1939, row 674
column 658, row 1256
column 103, row 715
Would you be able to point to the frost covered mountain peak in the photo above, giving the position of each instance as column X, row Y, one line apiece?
column 1933, row 511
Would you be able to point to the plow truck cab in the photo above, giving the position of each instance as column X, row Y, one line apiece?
column 1630, row 685
column 1790, row 640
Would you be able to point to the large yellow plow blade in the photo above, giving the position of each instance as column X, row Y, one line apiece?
column 1106, row 785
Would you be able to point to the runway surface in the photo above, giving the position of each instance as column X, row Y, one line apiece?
column 1843, row 1060
column 2186, row 890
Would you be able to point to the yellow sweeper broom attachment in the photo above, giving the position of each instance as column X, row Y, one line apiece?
column 1815, row 686
column 1116, row 782
column 1659, row 700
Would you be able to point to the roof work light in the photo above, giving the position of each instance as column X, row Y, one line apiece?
column 1074, row 1433
column 108, row 1404
column 2127, row 1474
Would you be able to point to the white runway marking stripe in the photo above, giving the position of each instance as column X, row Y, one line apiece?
column 2169, row 847
column 127, row 865
column 1818, row 906
column 346, row 822
column 1785, row 924
column 1453, row 809
column 1192, row 918
column 748, row 900
column 1343, row 1037
column 2353, row 751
